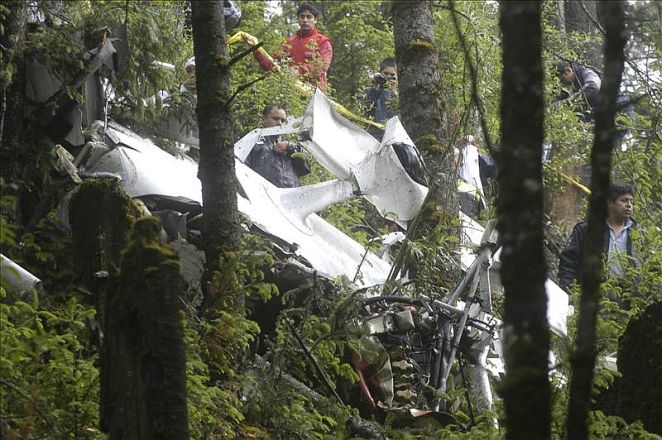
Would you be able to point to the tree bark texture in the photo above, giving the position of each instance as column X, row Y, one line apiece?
column 526, row 390
column 423, row 116
column 221, row 224
column 143, row 361
column 101, row 216
column 11, row 88
column 583, row 358
column 421, row 106
column 640, row 363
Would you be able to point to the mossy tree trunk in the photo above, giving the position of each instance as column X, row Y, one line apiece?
column 422, row 113
column 144, row 382
column 583, row 358
column 419, row 82
column 101, row 216
column 526, row 390
column 221, row 225
column 11, row 88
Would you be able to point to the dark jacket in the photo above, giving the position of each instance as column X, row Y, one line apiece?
column 376, row 102
column 571, row 260
column 282, row 170
column 588, row 81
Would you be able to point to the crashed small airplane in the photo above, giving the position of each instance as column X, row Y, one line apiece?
column 428, row 333
column 366, row 168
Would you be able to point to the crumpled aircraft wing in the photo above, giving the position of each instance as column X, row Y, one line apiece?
column 145, row 169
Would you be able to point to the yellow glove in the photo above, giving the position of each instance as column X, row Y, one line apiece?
column 242, row 36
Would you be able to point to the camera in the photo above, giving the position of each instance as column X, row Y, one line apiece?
column 379, row 79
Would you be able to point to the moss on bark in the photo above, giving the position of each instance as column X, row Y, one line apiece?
column 145, row 387
column 101, row 216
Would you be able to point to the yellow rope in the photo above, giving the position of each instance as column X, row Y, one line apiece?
column 569, row 179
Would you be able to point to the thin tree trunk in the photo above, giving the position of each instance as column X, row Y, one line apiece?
column 526, row 390
column 578, row 15
column 583, row 359
column 221, row 225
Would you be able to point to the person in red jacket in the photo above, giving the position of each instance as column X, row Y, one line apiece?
column 308, row 51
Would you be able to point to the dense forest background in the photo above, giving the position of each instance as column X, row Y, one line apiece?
column 52, row 382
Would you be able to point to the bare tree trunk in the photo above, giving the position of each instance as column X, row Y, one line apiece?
column 11, row 88
column 526, row 390
column 422, row 111
column 221, row 225
column 583, row 359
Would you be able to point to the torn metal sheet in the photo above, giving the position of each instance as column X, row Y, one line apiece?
column 329, row 250
column 284, row 212
column 337, row 144
column 144, row 167
column 384, row 182
column 469, row 171
column 557, row 299
column 16, row 279
column 243, row 146
column 352, row 154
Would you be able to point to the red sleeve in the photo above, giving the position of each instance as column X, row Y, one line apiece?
column 326, row 53
column 263, row 60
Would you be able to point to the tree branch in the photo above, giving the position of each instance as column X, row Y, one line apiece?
column 474, row 78
column 243, row 53
column 243, row 87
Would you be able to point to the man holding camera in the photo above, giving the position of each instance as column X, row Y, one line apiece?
column 274, row 158
column 378, row 97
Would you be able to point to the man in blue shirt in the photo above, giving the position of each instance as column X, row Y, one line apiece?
column 618, row 240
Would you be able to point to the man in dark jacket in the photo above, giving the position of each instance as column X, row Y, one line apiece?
column 618, row 240
column 585, row 82
column 271, row 157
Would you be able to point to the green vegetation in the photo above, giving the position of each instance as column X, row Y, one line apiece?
column 49, row 341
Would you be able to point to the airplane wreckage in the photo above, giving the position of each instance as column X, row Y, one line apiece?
column 418, row 338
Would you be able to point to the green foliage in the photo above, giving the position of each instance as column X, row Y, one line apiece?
column 48, row 374
column 213, row 411
column 287, row 413
column 7, row 229
column 612, row 427
column 7, row 68
column 362, row 37
column 318, row 320
column 49, row 380
column 478, row 23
